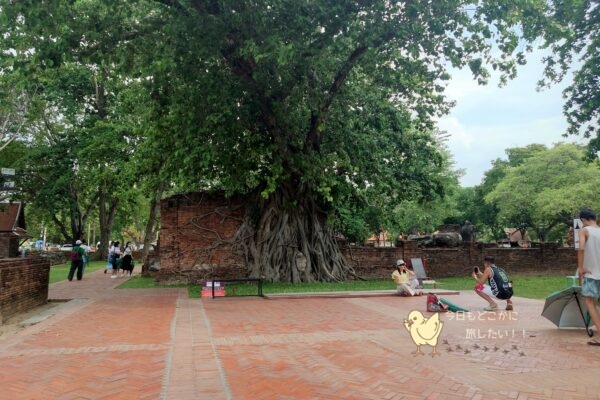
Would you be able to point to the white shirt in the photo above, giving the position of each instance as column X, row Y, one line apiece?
column 591, row 253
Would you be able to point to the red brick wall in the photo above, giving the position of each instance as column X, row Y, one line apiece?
column 195, row 229
column 545, row 259
column 378, row 262
column 194, row 244
column 23, row 284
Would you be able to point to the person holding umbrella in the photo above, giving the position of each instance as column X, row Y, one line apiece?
column 588, row 265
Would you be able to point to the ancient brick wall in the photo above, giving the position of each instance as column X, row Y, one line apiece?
column 378, row 262
column 23, row 284
column 371, row 262
column 196, row 238
column 545, row 259
column 196, row 233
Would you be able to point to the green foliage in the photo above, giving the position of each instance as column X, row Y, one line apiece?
column 255, row 96
column 547, row 190
column 572, row 37
column 79, row 132
column 352, row 224
column 316, row 92
column 485, row 214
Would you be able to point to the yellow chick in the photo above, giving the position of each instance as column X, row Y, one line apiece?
column 424, row 330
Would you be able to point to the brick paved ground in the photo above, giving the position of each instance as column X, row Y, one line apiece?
column 158, row 344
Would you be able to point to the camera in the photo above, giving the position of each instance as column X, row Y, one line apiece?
column 475, row 270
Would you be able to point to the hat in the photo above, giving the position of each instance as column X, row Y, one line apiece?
column 78, row 242
column 400, row 262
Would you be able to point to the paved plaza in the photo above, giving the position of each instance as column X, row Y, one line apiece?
column 107, row 343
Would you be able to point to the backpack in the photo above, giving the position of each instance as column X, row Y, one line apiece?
column 75, row 255
column 113, row 252
column 500, row 284
column 434, row 304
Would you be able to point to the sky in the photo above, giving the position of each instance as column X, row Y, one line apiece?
column 487, row 119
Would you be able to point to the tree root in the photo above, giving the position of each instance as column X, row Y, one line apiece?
column 290, row 242
column 282, row 239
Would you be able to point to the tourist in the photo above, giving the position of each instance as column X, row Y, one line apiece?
column 405, row 280
column 493, row 282
column 127, row 260
column 588, row 265
column 115, row 254
column 77, row 253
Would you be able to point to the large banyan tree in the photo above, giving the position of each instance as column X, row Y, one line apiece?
column 306, row 107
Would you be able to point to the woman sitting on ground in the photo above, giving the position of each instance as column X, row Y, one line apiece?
column 405, row 280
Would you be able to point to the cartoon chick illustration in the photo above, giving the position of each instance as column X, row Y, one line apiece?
column 424, row 330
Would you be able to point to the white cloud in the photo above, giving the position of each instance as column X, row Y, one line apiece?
column 459, row 138
column 487, row 119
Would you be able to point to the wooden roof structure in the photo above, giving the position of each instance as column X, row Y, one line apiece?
column 12, row 220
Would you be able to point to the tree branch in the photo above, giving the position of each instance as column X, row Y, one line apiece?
column 6, row 143
column 313, row 138
column 244, row 69
column 61, row 226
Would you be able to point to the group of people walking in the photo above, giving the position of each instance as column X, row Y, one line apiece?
column 120, row 260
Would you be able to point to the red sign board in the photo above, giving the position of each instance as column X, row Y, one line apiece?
column 207, row 289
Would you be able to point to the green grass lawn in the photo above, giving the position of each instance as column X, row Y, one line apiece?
column 533, row 287
column 59, row 272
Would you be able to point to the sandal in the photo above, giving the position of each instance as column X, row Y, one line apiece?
column 593, row 342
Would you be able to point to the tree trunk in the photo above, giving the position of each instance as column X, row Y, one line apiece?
column 289, row 241
column 107, row 209
column 150, row 231
column 77, row 222
column 107, row 203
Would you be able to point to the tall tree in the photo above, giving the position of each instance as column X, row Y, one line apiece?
column 322, row 98
column 486, row 213
column 573, row 38
column 547, row 190
column 296, row 104
column 65, row 57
